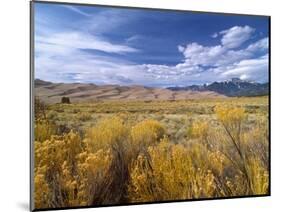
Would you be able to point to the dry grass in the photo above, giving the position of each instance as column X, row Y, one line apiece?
column 150, row 153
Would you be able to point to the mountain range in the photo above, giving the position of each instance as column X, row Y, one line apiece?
column 231, row 88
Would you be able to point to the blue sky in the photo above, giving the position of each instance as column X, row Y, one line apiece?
column 103, row 45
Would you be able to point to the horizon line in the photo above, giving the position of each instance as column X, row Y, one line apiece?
column 168, row 86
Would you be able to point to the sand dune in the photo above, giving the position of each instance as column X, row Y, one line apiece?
column 79, row 92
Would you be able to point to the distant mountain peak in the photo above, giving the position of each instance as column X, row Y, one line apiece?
column 232, row 87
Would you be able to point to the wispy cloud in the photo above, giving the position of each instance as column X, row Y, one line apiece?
column 78, row 40
column 76, row 10
column 61, row 54
column 97, row 49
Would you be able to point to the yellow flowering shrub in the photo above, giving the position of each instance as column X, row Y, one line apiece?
column 43, row 130
column 41, row 189
column 230, row 115
column 247, row 151
column 55, row 170
column 259, row 176
column 146, row 133
column 108, row 133
column 169, row 173
column 128, row 158
column 257, row 158
column 200, row 129
column 112, row 135
column 232, row 119
column 93, row 169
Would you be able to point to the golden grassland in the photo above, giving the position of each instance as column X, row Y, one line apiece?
column 119, row 152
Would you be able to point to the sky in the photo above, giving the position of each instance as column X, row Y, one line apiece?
column 155, row 48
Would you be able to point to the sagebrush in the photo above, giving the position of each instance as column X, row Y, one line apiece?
column 127, row 157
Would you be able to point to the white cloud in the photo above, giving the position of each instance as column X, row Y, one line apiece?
column 134, row 38
column 251, row 69
column 215, row 63
column 59, row 57
column 75, row 9
column 215, row 35
column 106, row 21
column 260, row 45
column 223, row 55
column 196, row 54
column 78, row 40
column 235, row 36
column 181, row 48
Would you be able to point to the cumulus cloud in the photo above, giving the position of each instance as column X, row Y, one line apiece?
column 251, row 69
column 235, row 36
column 260, row 45
column 228, row 59
column 60, row 56
column 196, row 54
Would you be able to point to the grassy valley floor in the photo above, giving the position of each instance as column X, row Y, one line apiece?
column 126, row 151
